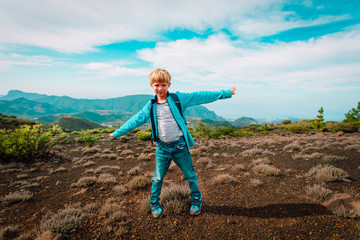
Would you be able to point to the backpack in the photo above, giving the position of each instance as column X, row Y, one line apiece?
column 153, row 101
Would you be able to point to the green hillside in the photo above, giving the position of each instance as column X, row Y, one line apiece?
column 72, row 123
column 25, row 108
column 244, row 121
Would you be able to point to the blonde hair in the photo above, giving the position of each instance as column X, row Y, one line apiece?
column 159, row 76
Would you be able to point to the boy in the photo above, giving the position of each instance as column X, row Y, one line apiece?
column 171, row 134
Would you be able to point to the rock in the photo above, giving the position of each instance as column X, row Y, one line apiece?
column 50, row 236
column 339, row 134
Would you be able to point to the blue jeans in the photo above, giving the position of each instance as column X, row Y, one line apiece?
column 165, row 153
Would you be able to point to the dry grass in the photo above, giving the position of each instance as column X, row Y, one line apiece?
column 127, row 152
column 66, row 221
column 175, row 198
column 330, row 158
column 326, row 173
column 318, row 191
column 134, row 171
column 352, row 147
column 105, row 168
column 106, row 178
column 121, row 189
column 111, row 206
column 144, row 205
column 95, row 149
column 266, row 170
column 18, row 196
column 224, row 178
column 139, row 182
column 343, row 211
column 85, row 182
column 256, row 182
column 88, row 164
column 205, row 162
column 293, row 147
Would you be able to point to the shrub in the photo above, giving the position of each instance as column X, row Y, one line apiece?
column 206, row 162
column 144, row 135
column 121, row 189
column 106, row 178
column 286, row 122
column 139, row 182
column 293, row 147
column 266, row 169
column 88, row 138
column 111, row 206
column 66, row 221
column 18, row 196
column 85, row 182
column 224, row 178
column 175, row 198
column 256, row 182
column 144, row 205
column 318, row 191
column 343, row 211
column 296, row 127
column 326, row 173
column 24, row 144
column 134, row 171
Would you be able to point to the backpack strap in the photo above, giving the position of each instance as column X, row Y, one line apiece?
column 154, row 136
column 178, row 105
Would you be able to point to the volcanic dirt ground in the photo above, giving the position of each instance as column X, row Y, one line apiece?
column 238, row 201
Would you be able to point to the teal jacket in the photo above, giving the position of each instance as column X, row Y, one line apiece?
column 186, row 100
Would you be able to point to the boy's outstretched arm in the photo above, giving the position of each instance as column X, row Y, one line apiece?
column 203, row 97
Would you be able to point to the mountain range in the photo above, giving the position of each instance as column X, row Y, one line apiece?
column 113, row 111
column 107, row 112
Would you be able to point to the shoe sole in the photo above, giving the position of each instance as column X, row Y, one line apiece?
column 195, row 214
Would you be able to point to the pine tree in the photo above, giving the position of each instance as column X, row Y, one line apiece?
column 319, row 120
column 353, row 115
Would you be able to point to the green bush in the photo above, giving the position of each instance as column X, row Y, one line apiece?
column 25, row 143
column 144, row 135
column 203, row 131
column 348, row 127
column 88, row 138
column 286, row 122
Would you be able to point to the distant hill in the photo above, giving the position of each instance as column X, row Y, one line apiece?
column 10, row 122
column 244, row 121
column 24, row 108
column 72, row 123
column 119, row 109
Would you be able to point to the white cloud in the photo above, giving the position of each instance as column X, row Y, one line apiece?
column 320, row 63
column 108, row 70
column 14, row 59
column 78, row 26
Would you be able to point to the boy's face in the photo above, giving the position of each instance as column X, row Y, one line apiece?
column 160, row 88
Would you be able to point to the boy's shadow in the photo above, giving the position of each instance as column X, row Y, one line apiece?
column 286, row 210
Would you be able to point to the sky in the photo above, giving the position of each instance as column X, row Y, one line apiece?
column 287, row 58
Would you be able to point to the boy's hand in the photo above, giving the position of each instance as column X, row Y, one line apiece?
column 233, row 90
column 110, row 135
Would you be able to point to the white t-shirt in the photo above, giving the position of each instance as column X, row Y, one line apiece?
column 168, row 128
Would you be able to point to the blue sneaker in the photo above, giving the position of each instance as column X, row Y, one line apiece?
column 156, row 212
column 195, row 209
